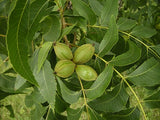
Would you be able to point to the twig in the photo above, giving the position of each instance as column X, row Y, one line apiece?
column 84, row 95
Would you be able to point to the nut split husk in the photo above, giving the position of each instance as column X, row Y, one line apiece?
column 64, row 68
column 62, row 51
column 83, row 54
column 86, row 72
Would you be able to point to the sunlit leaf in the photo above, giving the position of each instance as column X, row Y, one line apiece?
column 83, row 9
column 20, row 81
column 17, row 42
column 43, row 54
column 34, row 98
column 143, row 31
column 146, row 74
column 129, row 57
column 110, row 9
column 96, row 6
column 37, row 10
column 67, row 94
column 110, row 38
column 51, row 27
column 47, row 83
column 101, row 83
column 38, row 112
column 125, row 24
column 112, row 101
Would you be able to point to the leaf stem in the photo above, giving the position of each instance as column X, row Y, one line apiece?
column 84, row 95
column 101, row 59
column 48, row 113
column 123, row 78
column 2, row 35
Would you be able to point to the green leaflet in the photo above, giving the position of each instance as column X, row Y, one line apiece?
column 110, row 9
column 156, row 48
column 66, row 31
column 146, row 74
column 7, row 83
column 109, row 39
column 94, row 115
column 47, row 83
column 55, row 116
column 84, row 10
column 34, row 98
column 74, row 114
column 153, row 101
column 37, row 11
column 112, row 101
column 38, row 112
column 67, row 94
column 60, row 104
column 131, row 56
column 128, row 114
column 125, row 24
column 17, row 42
column 143, row 31
column 20, row 81
column 96, row 6
column 100, row 84
column 43, row 54
column 51, row 27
